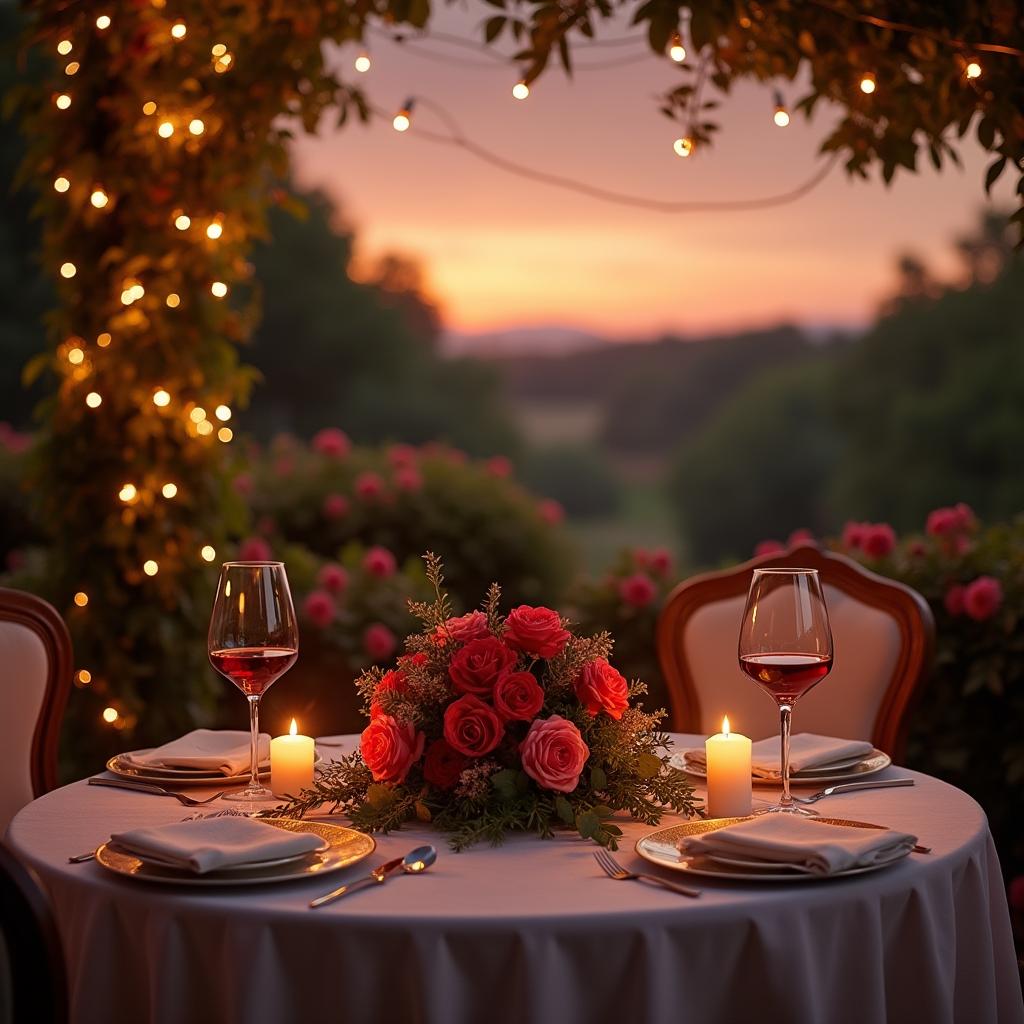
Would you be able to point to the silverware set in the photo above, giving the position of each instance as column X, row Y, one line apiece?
column 611, row 867
column 147, row 787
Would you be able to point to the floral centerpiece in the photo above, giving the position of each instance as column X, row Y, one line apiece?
column 490, row 724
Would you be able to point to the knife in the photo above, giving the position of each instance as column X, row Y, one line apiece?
column 376, row 877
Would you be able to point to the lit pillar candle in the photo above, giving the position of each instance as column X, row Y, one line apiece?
column 728, row 765
column 291, row 762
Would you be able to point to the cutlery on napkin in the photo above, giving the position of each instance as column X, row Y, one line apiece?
column 792, row 841
column 806, row 750
column 211, row 844
column 225, row 751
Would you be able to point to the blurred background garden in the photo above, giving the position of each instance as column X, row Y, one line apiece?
column 589, row 470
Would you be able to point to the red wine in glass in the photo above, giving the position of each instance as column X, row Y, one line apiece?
column 786, row 676
column 253, row 669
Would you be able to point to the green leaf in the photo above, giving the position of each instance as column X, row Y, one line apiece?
column 598, row 779
column 603, row 810
column 505, row 783
column 379, row 796
column 648, row 766
column 564, row 810
column 587, row 824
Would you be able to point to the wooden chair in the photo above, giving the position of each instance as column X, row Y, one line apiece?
column 35, row 679
column 883, row 634
column 33, row 979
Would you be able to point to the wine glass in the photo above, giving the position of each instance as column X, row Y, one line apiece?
column 786, row 648
column 253, row 639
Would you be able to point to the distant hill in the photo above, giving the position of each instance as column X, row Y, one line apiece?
column 543, row 341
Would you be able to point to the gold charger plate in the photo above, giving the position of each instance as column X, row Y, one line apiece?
column 183, row 776
column 660, row 848
column 345, row 847
column 876, row 761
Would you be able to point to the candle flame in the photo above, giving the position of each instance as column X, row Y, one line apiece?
column 725, row 726
column 294, row 729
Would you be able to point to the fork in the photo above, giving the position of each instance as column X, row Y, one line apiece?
column 849, row 787
column 142, row 787
column 614, row 870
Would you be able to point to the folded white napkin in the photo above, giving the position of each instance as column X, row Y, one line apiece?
column 806, row 750
column 211, row 844
column 813, row 847
column 225, row 751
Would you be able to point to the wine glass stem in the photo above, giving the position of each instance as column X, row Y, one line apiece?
column 254, row 742
column 785, row 715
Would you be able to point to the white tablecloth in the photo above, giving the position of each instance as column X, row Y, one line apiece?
column 533, row 932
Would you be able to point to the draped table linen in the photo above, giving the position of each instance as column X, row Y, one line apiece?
column 533, row 932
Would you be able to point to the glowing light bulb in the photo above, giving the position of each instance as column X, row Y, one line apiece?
column 178, row 30
column 401, row 122
column 204, row 427
column 219, row 289
column 225, row 434
column 973, row 69
column 128, row 492
column 94, row 400
column 868, row 84
column 103, row 22
column 150, row 567
column 68, row 270
column 61, row 184
column 110, row 715
column 676, row 50
column 64, row 47
column 214, row 229
column 63, row 101
column 169, row 490
column 84, row 677
column 197, row 415
column 223, row 63
column 683, row 146
column 208, row 553
column 520, row 90
column 218, row 49
column 781, row 117
column 183, row 222
column 99, row 198
column 76, row 356
column 81, row 599
column 71, row 68
column 165, row 130
column 196, row 126
column 103, row 340
column 149, row 108
column 161, row 398
column 362, row 63
column 173, row 300
column 223, row 413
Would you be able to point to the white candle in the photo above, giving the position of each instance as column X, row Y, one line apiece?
column 729, row 784
column 291, row 763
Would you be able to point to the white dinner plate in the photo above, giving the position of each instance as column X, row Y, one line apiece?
column 660, row 848
column 151, row 860
column 345, row 847
column 876, row 761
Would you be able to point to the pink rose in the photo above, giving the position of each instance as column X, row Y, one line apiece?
column 536, row 631
column 476, row 667
column 853, row 535
column 393, row 681
column 942, row 521
column 379, row 642
column 554, row 754
column 551, row 511
column 402, row 455
column 917, row 549
column 982, row 598
column 335, row 506
column 954, row 600
column 407, row 478
column 600, row 687
column 379, row 562
column 472, row 727
column 332, row 578
column 499, row 466
column 518, row 696
column 965, row 517
column 660, row 561
column 390, row 748
column 463, row 628
column 369, row 486
column 332, row 443
column 800, row 536
column 243, row 484
column 254, row 549
column 879, row 540
column 319, row 608
column 768, row 547
column 637, row 590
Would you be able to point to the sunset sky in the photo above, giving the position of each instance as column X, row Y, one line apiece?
column 500, row 252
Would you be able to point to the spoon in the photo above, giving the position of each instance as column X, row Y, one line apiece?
column 413, row 863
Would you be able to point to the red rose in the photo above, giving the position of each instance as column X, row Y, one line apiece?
column 800, row 536
column 637, row 590
column 462, row 628
column 551, row 511
column 853, row 534
column 393, row 681
column 380, row 562
column 660, row 561
column 517, row 695
column 319, row 608
column 471, row 726
column 369, row 486
column 954, row 600
column 407, row 478
column 554, row 754
column 944, row 521
column 335, row 506
column 390, row 748
column 332, row 578
column 443, row 764
column 602, row 688
column 402, row 455
column 332, row 442
column 879, row 540
column 378, row 641
column 476, row 667
column 768, row 547
column 254, row 549
column 536, row 631
column 499, row 466
column 982, row 598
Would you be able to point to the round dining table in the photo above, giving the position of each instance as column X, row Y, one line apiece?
column 534, row 931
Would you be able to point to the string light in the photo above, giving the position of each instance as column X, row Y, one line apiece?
column 781, row 115
column 103, row 340
column 183, row 222
column 81, row 599
column 61, row 184
column 173, row 300
column 64, row 47
column 403, row 119
column 76, row 356
column 362, row 63
column 68, row 270
column 99, row 198
column 149, row 108
column 218, row 49
column 208, row 553
column 103, row 22
column 196, row 126
column 520, row 90
column 165, row 129
column 204, row 427
column 214, row 229
column 161, row 398
column 93, row 400
column 71, row 68
column 128, row 492
column 973, row 69
column 219, row 289
column 867, row 83
column 63, row 101
column 131, row 291
column 150, row 567
column 169, row 490
column 197, row 415
column 178, row 30
column 683, row 146
column 225, row 434
column 223, row 413
column 222, row 63
column 110, row 715
column 84, row 677
column 676, row 50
